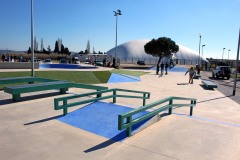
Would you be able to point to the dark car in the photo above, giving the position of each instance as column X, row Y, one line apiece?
column 140, row 62
column 222, row 71
column 63, row 61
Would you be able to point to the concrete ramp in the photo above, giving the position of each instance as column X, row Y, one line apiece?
column 101, row 118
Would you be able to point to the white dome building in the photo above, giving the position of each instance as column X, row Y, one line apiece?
column 134, row 50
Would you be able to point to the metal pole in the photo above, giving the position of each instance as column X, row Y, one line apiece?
column 228, row 57
column 32, row 35
column 116, row 40
column 223, row 54
column 202, row 54
column 236, row 67
column 200, row 36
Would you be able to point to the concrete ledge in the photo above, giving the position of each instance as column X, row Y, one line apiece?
column 18, row 65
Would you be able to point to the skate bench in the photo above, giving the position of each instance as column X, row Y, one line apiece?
column 23, row 79
column 209, row 84
column 197, row 76
column 16, row 91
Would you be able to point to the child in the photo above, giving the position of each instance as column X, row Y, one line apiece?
column 191, row 74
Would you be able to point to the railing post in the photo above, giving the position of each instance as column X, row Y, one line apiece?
column 65, row 109
column 99, row 94
column 144, row 99
column 129, row 129
column 191, row 108
column 170, row 109
column 114, row 96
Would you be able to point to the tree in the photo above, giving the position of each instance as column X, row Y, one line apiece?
column 62, row 49
column 29, row 50
column 56, row 50
column 49, row 49
column 66, row 51
column 81, row 52
column 161, row 47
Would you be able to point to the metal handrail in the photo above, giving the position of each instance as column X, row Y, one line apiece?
column 125, row 121
column 63, row 102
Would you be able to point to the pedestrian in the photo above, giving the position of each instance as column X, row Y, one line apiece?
column 166, row 68
column 161, row 67
column 104, row 62
column 3, row 57
column 191, row 74
column 198, row 69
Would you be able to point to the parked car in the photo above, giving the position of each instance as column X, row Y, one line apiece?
column 141, row 62
column 37, row 60
column 48, row 61
column 98, row 63
column 87, row 61
column 222, row 71
column 76, row 60
column 63, row 61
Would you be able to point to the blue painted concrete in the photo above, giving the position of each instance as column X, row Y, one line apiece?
column 174, row 69
column 65, row 66
column 100, row 118
column 117, row 78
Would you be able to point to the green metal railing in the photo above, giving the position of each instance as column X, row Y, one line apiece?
column 125, row 121
column 63, row 102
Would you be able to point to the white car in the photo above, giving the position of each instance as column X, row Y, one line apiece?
column 48, row 61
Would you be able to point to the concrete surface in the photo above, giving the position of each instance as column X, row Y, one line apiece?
column 29, row 129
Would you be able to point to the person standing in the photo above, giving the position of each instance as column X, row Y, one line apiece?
column 161, row 67
column 3, row 57
column 191, row 74
column 166, row 68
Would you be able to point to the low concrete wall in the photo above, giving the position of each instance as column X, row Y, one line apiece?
column 18, row 65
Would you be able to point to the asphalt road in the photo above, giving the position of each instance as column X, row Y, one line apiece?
column 224, row 86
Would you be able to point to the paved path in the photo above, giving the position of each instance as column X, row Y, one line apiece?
column 29, row 129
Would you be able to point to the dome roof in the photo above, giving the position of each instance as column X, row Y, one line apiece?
column 135, row 49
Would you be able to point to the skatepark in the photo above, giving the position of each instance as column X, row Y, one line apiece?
column 32, row 129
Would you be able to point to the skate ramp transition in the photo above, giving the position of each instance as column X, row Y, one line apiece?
column 111, row 120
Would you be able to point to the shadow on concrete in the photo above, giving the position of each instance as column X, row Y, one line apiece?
column 214, row 99
column 43, row 120
column 31, row 97
column 120, row 136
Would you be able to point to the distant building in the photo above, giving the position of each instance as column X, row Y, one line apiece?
column 133, row 51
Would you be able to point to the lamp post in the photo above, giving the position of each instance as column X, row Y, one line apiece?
column 116, row 13
column 32, row 35
column 228, row 53
column 202, row 52
column 200, row 36
column 223, row 54
column 236, row 67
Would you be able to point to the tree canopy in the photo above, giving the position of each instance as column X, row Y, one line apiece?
column 162, row 46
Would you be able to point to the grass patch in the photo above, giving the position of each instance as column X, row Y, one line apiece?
column 103, row 76
column 85, row 77
column 130, row 73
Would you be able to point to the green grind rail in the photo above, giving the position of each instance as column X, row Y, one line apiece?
column 64, row 102
column 129, row 122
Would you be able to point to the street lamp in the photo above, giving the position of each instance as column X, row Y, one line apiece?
column 202, row 52
column 223, row 53
column 116, row 13
column 32, row 35
column 236, row 66
column 200, row 36
column 228, row 54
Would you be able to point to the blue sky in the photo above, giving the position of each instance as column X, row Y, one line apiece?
column 77, row 21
